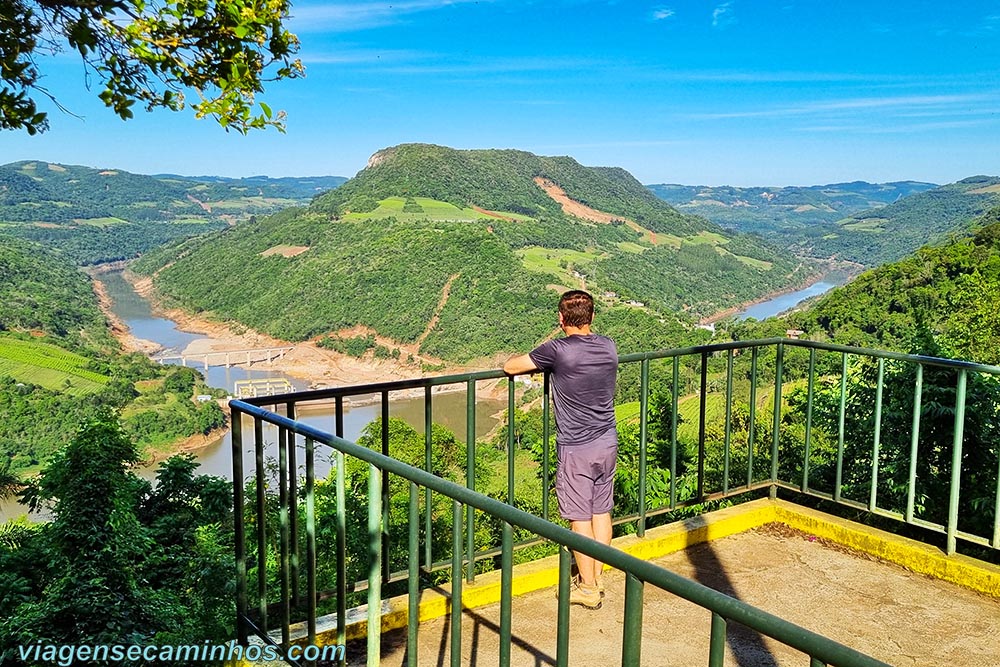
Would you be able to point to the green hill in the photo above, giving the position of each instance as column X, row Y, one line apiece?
column 949, row 291
column 97, row 215
column 886, row 234
column 463, row 252
column 780, row 212
column 59, row 365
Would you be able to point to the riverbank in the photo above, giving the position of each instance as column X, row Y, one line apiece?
column 833, row 267
column 306, row 360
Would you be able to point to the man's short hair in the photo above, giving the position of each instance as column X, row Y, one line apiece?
column 577, row 308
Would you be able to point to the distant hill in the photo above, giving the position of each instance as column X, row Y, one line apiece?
column 949, row 291
column 461, row 253
column 777, row 210
column 888, row 233
column 96, row 215
column 857, row 222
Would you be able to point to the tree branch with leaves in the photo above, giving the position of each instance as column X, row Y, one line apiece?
column 151, row 53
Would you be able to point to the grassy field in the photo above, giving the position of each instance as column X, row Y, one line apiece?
column 48, row 366
column 548, row 260
column 102, row 222
column 432, row 209
column 709, row 238
column 635, row 248
column 749, row 261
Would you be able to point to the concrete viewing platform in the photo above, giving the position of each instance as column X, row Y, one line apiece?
column 894, row 599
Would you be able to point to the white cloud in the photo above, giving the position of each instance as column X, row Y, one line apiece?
column 662, row 13
column 723, row 15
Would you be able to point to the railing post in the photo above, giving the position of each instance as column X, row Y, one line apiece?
column 776, row 420
column 562, row 615
column 675, row 387
column 239, row 529
column 311, row 539
column 632, row 633
column 258, row 445
column 877, row 440
column 717, row 642
column 428, row 466
column 702, row 406
column 386, row 565
column 643, row 442
column 341, row 492
column 511, row 421
column 545, row 447
column 839, row 480
column 293, row 518
column 375, row 566
column 506, row 592
column 727, row 445
column 752, row 426
column 284, row 438
column 470, row 477
column 413, row 578
column 911, row 488
column 810, row 396
column 456, row 584
column 956, row 460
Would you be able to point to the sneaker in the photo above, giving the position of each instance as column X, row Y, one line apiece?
column 585, row 596
column 600, row 585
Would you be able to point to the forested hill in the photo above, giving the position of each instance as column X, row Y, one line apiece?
column 885, row 234
column 97, row 215
column 783, row 210
column 504, row 180
column 462, row 253
column 60, row 366
column 950, row 292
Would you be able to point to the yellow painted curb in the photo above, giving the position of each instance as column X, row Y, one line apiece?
column 967, row 572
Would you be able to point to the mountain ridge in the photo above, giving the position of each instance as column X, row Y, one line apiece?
column 383, row 246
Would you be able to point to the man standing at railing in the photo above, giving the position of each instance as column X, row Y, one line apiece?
column 583, row 368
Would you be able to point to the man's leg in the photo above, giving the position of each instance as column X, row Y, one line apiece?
column 584, row 563
column 602, row 531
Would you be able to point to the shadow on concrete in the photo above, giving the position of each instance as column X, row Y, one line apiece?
column 748, row 647
column 480, row 624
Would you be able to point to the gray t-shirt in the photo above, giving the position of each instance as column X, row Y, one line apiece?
column 583, row 373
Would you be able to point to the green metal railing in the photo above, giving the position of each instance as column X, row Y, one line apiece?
column 709, row 373
column 639, row 573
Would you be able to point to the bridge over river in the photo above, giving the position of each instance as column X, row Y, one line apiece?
column 226, row 358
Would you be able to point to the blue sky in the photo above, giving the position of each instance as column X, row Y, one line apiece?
column 788, row 92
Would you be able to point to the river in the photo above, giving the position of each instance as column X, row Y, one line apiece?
column 449, row 408
column 782, row 302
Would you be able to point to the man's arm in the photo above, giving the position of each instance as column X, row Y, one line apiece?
column 519, row 365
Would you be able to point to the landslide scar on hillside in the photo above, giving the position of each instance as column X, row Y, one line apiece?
column 584, row 212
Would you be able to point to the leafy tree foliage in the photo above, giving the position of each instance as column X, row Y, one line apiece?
column 43, row 298
column 151, row 54
column 120, row 562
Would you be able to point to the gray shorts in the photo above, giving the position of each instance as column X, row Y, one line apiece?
column 585, row 479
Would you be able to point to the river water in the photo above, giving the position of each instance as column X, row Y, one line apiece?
column 449, row 408
column 782, row 302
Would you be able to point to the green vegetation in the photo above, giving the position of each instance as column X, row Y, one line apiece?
column 48, row 366
column 951, row 291
column 383, row 246
column 775, row 213
column 96, row 216
column 120, row 562
column 150, row 54
column 59, row 366
column 858, row 222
